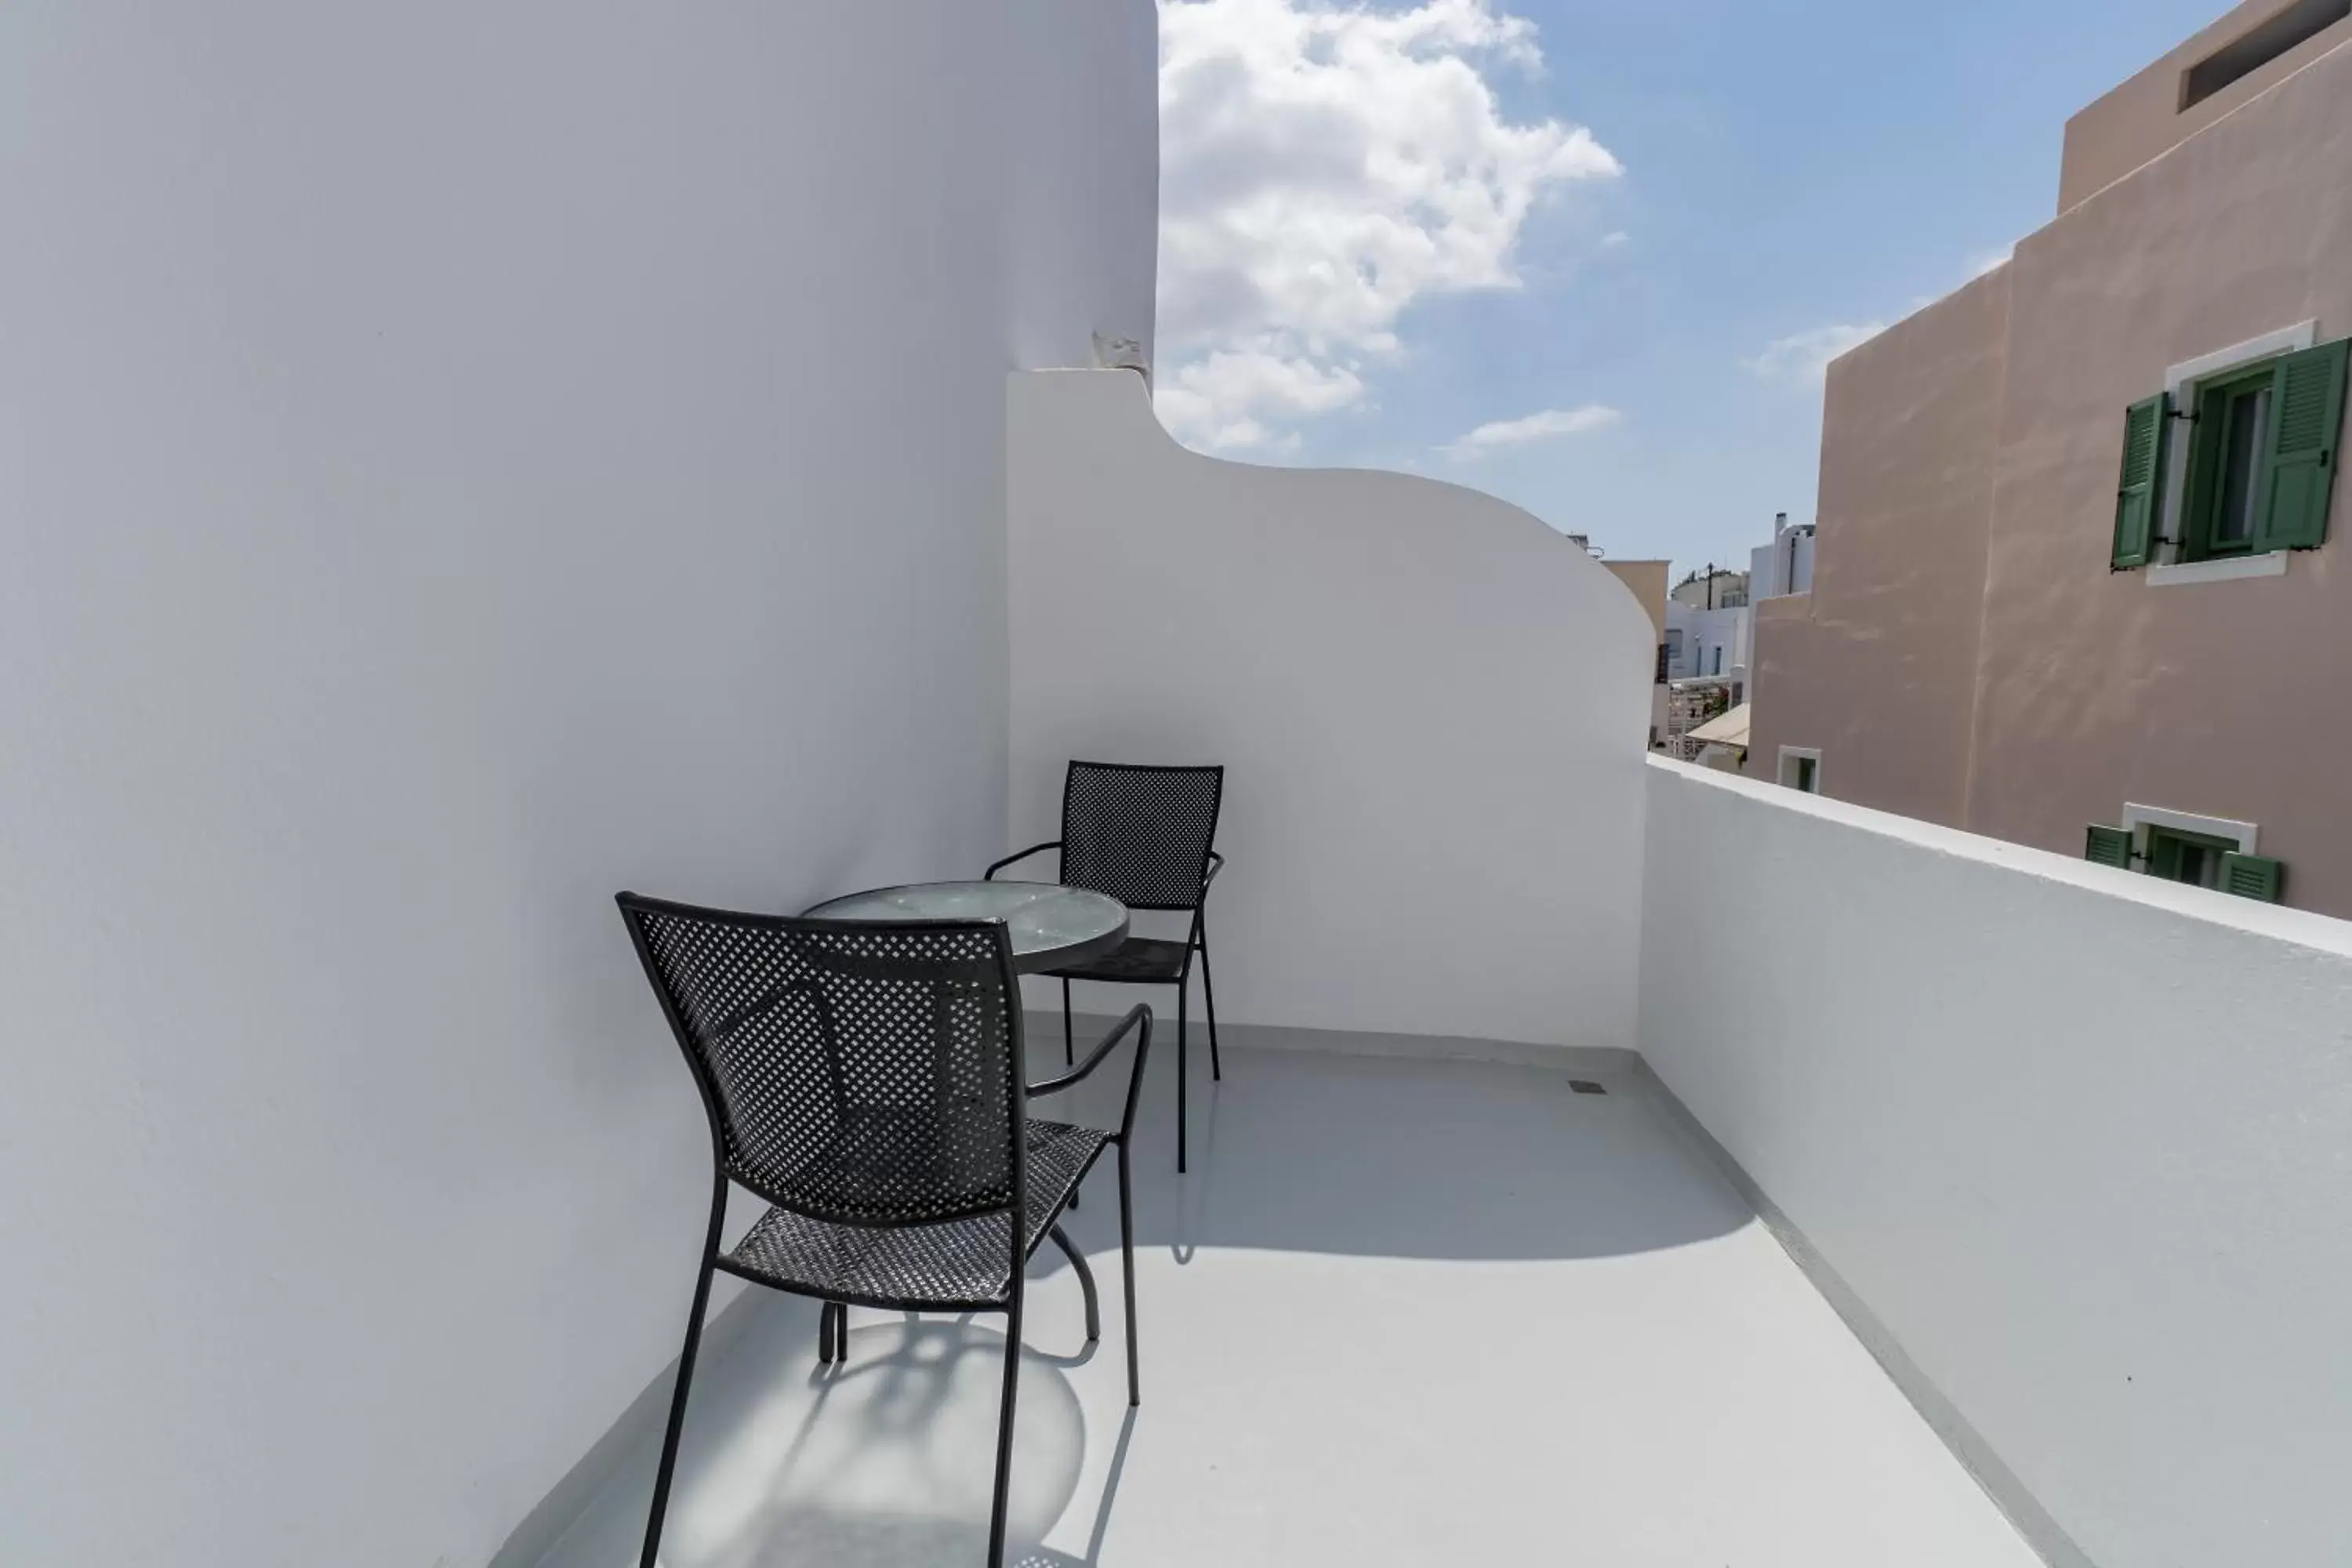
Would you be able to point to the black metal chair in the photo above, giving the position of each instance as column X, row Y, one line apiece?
column 866, row 1079
column 1145, row 837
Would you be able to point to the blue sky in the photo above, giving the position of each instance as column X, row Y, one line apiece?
column 1588, row 223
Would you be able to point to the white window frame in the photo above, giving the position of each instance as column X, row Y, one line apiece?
column 2182, row 382
column 2139, row 819
column 1794, row 753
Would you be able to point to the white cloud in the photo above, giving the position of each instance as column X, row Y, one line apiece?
column 1222, row 399
column 1803, row 358
column 1614, row 239
column 1549, row 425
column 1981, row 264
column 1321, row 169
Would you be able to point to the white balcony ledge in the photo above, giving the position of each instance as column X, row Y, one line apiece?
column 1402, row 1312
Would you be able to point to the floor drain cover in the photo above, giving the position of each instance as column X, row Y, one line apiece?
column 1585, row 1086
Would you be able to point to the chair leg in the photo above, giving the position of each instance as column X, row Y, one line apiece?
column 1181, row 1142
column 1005, row 1423
column 1069, row 1050
column 1209, row 995
column 663, row 1476
column 1085, row 1280
column 833, row 1332
column 1127, row 1262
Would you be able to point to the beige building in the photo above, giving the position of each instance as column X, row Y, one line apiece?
column 2073, row 586
column 1716, row 588
column 1647, row 579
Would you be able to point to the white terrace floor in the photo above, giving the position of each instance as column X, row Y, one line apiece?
column 1402, row 1312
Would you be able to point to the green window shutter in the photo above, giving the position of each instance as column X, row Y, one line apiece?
column 2252, row 877
column 2299, row 463
column 2110, row 846
column 2142, row 484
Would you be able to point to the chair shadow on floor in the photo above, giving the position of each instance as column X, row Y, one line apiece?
column 883, row 1461
column 888, row 1460
column 1306, row 1152
column 1046, row 1557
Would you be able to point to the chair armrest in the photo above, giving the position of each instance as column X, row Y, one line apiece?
column 1033, row 850
column 1200, row 908
column 1137, row 1022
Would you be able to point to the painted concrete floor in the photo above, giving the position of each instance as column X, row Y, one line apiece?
column 1400, row 1312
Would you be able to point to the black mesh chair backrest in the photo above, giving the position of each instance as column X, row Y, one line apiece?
column 867, row 1073
column 1141, row 833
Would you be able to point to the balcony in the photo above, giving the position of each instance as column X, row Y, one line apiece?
column 459, row 468
column 1402, row 1312
column 1930, row 1184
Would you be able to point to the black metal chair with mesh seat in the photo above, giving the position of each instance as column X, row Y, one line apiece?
column 1145, row 836
column 867, row 1078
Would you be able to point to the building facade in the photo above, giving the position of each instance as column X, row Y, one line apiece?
column 2074, row 562
column 1647, row 580
column 1714, row 588
column 1704, row 631
column 1785, row 565
column 1703, row 644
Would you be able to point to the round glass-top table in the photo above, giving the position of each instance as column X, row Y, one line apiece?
column 1053, row 927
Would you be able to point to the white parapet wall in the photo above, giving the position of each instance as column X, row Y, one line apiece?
column 1431, row 708
column 455, row 462
column 2079, row 1141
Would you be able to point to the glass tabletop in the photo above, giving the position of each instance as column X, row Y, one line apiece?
column 1050, row 924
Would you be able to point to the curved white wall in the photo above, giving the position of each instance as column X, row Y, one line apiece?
column 1432, row 709
column 455, row 462
column 2078, row 1139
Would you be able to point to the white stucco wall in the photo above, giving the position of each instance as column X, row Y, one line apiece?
column 456, row 463
column 1432, row 709
column 1782, row 567
column 1703, row 632
column 2080, row 1140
